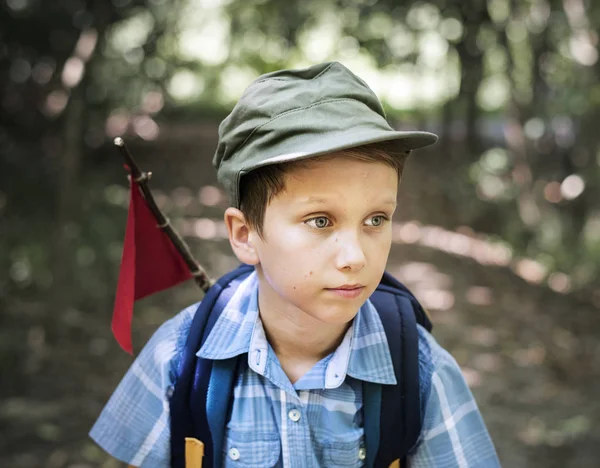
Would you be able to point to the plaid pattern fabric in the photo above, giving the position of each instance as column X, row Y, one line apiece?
column 317, row 421
column 453, row 432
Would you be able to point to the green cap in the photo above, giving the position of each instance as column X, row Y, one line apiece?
column 296, row 114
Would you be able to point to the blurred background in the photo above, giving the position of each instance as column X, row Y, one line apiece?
column 497, row 233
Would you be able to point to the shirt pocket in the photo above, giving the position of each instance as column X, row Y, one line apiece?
column 251, row 449
column 347, row 453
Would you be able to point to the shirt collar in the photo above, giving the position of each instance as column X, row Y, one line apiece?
column 363, row 354
column 370, row 358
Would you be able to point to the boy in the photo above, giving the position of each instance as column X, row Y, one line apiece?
column 312, row 170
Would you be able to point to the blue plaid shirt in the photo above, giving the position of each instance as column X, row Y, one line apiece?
column 317, row 421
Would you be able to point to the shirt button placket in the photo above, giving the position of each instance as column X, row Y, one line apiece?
column 296, row 430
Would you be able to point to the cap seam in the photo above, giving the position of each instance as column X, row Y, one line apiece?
column 292, row 111
column 281, row 79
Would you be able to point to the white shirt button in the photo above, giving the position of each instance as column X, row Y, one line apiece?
column 362, row 454
column 294, row 415
column 234, row 453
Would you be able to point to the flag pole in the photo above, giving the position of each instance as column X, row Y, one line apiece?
column 141, row 179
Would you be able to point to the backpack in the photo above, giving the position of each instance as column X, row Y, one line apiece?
column 200, row 403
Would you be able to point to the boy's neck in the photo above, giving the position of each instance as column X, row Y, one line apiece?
column 299, row 340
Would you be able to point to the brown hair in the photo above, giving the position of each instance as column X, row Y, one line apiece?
column 260, row 186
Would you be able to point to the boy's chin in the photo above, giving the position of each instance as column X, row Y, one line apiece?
column 334, row 317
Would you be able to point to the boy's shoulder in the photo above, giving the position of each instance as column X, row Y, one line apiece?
column 432, row 355
column 166, row 345
column 434, row 360
column 176, row 329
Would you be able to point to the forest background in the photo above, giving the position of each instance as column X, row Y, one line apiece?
column 497, row 233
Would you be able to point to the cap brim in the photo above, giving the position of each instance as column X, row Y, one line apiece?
column 407, row 141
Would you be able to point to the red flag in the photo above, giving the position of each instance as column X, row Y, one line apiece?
column 150, row 263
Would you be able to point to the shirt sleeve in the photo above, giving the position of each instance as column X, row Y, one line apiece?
column 453, row 434
column 134, row 424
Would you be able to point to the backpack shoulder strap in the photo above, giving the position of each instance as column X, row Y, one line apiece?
column 188, row 415
column 392, row 285
column 400, row 416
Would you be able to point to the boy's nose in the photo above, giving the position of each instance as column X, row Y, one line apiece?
column 351, row 256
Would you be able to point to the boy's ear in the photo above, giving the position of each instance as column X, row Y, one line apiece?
column 239, row 236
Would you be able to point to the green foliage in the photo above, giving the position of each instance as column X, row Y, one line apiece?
column 520, row 78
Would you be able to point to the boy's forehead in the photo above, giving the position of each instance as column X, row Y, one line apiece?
column 322, row 181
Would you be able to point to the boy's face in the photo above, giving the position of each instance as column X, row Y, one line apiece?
column 326, row 238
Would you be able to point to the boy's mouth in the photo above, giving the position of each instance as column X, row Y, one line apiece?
column 348, row 290
column 350, row 286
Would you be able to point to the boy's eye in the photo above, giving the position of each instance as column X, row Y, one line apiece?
column 320, row 222
column 376, row 221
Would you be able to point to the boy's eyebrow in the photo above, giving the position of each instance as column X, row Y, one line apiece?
column 313, row 199
column 320, row 200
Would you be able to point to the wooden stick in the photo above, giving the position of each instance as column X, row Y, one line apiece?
column 141, row 178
